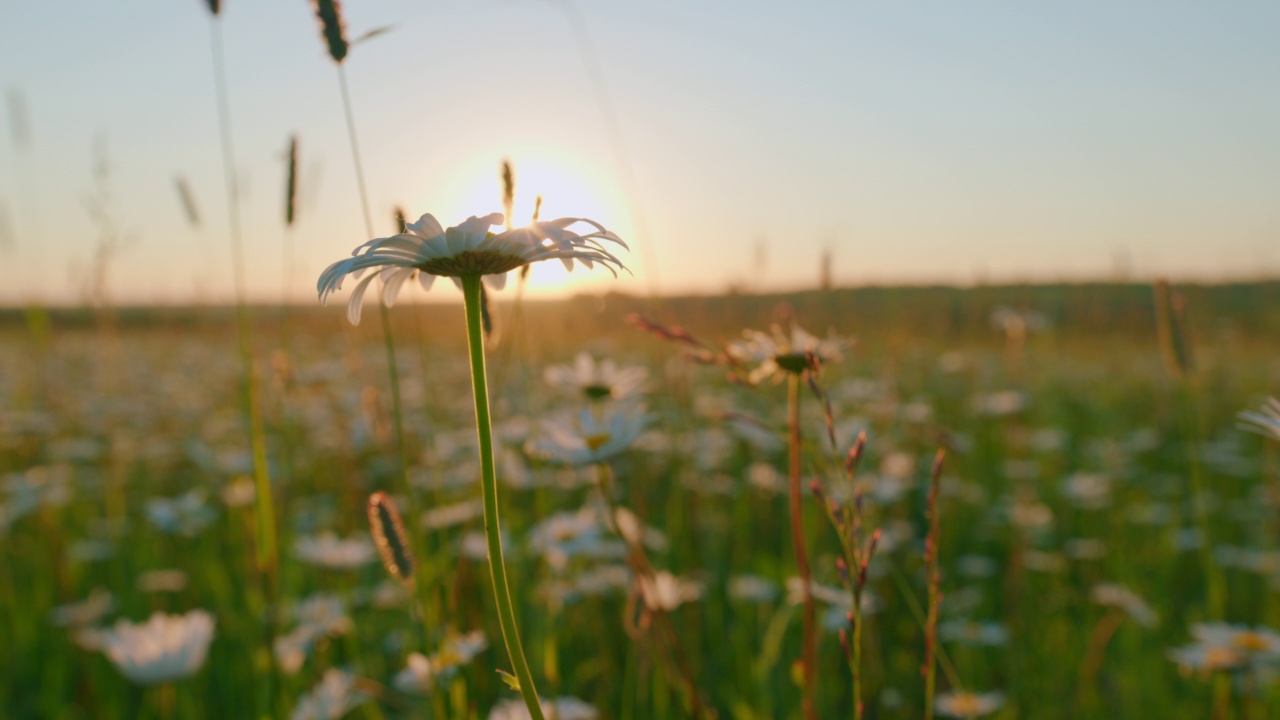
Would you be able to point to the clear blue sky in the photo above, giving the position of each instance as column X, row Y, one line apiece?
column 919, row 141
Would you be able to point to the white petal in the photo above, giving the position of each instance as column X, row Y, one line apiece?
column 392, row 282
column 426, row 227
column 470, row 232
column 356, row 303
column 426, row 280
column 497, row 281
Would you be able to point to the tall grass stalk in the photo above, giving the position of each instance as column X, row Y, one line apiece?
column 639, row 562
column 1174, row 332
column 489, row 487
column 388, row 338
column 933, row 575
column 266, row 540
column 809, row 648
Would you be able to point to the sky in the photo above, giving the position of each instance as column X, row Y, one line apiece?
column 732, row 144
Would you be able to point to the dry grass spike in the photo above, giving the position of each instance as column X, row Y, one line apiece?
column 1173, row 329
column 389, row 535
column 335, row 34
column 291, row 185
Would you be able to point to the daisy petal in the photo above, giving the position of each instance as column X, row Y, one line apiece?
column 356, row 303
column 497, row 281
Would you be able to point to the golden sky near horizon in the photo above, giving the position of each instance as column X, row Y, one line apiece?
column 728, row 143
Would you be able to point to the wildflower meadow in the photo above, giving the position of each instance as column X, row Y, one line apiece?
column 428, row 493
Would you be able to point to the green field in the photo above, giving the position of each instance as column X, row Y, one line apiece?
column 1073, row 458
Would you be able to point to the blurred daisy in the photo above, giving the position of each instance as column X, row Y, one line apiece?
column 1223, row 646
column 1265, row 421
column 157, row 581
column 561, row 708
column 422, row 674
column 969, row 632
column 967, row 704
column 165, row 648
column 446, row 516
column 319, row 616
column 85, row 612
column 427, row 250
column 593, row 438
column 1001, row 403
column 780, row 353
column 563, row 536
column 1119, row 596
column 592, row 582
column 1087, row 491
column 332, row 698
column 666, row 592
column 184, row 515
column 752, row 588
column 597, row 380
column 330, row 551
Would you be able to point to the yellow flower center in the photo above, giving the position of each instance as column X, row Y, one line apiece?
column 1250, row 641
column 596, row 441
column 966, row 704
column 473, row 262
column 1217, row 657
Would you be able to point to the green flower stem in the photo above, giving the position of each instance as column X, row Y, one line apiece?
column 489, row 485
column 809, row 647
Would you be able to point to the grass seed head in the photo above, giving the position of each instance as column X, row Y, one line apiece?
column 188, row 201
column 335, row 36
column 291, row 185
column 390, row 538
column 1173, row 329
column 508, row 193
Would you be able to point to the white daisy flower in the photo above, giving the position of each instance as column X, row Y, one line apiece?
column 666, row 592
column 331, row 699
column 330, row 551
column 165, row 648
column 428, row 250
column 319, row 616
column 596, row 380
column 593, row 438
column 85, row 612
column 422, row 674
column 781, row 353
column 1113, row 595
column 187, row 514
column 561, row 708
column 967, row 704
column 1223, row 646
column 1265, row 421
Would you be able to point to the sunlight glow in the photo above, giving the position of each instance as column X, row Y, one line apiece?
column 569, row 188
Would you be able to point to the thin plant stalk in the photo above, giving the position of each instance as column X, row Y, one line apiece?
column 1215, row 594
column 640, row 564
column 388, row 342
column 933, row 574
column 489, row 485
column 266, row 546
column 388, row 339
column 809, row 649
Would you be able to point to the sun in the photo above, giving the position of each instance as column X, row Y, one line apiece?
column 568, row 186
